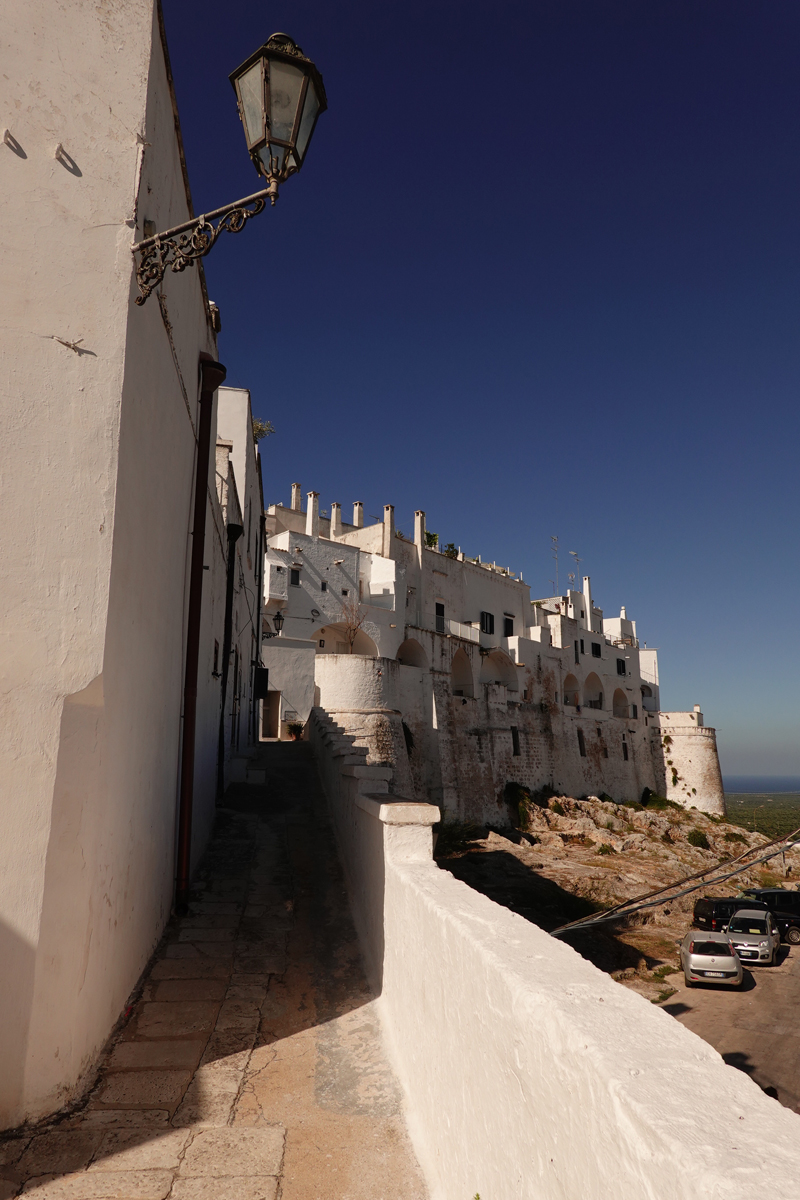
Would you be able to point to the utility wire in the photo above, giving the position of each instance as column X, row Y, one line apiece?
column 628, row 907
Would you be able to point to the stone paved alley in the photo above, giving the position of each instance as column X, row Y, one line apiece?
column 250, row 1066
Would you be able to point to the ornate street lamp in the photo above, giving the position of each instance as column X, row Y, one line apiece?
column 277, row 621
column 280, row 95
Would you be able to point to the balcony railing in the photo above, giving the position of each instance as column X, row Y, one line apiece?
column 442, row 624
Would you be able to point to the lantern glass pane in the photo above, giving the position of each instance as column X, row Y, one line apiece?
column 285, row 82
column 278, row 153
column 250, row 91
column 310, row 110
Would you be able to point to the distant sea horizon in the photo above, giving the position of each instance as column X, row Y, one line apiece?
column 760, row 784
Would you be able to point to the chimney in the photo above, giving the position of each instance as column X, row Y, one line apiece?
column 388, row 531
column 297, row 502
column 419, row 533
column 358, row 515
column 622, row 614
column 336, row 520
column 312, row 515
column 587, row 601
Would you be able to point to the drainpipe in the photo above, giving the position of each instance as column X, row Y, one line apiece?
column 212, row 374
column 234, row 533
column 259, row 601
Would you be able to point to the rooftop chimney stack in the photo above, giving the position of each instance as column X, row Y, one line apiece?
column 419, row 533
column 388, row 531
column 587, row 602
column 622, row 613
column 297, row 499
column 336, row 520
column 312, row 515
column 358, row 515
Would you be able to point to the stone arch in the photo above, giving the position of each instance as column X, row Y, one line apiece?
column 411, row 654
column 461, row 679
column 593, row 692
column 572, row 695
column 497, row 667
column 620, row 704
column 335, row 641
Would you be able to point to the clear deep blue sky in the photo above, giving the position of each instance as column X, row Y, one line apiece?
column 540, row 275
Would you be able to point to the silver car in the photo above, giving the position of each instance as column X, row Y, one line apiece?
column 710, row 958
column 754, row 936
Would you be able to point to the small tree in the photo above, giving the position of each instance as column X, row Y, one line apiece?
column 261, row 429
column 353, row 617
column 431, row 539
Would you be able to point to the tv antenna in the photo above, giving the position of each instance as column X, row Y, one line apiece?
column 578, row 562
column 554, row 540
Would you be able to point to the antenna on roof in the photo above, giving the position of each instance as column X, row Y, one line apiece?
column 578, row 562
column 554, row 540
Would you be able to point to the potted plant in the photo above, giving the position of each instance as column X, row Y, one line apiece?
column 295, row 730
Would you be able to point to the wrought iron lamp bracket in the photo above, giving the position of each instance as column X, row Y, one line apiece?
column 177, row 248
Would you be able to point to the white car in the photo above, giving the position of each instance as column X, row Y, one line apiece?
column 710, row 958
column 754, row 936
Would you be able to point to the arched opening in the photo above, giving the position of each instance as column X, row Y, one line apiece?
column 497, row 667
column 620, row 704
column 333, row 639
column 593, row 692
column 411, row 654
column 648, row 700
column 572, row 696
column 461, row 681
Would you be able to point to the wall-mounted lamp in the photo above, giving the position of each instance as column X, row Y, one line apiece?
column 280, row 94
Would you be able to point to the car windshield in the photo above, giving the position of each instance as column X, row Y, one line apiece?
column 722, row 949
column 747, row 925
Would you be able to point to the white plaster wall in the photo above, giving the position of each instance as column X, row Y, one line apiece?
column 529, row 1074
column 291, row 672
column 687, row 763
column 97, row 492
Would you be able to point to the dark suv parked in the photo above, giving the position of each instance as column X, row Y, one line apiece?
column 785, row 908
column 714, row 912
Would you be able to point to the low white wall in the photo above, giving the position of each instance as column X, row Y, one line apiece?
column 528, row 1073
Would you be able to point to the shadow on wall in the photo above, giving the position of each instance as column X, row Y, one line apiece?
column 18, row 958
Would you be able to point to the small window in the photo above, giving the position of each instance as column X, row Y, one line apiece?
column 323, row 587
column 515, row 741
column 487, row 622
column 279, row 570
column 581, row 743
column 216, row 658
column 321, row 643
column 596, row 651
column 439, row 618
column 624, row 749
column 583, row 648
column 294, row 577
column 345, row 591
column 577, row 656
column 621, row 667
column 635, row 708
column 508, row 626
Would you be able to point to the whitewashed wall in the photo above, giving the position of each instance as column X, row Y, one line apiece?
column 99, row 452
column 529, row 1074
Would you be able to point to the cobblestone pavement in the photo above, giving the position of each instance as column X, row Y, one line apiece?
column 251, row 1067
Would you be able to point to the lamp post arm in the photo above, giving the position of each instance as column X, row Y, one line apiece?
column 176, row 249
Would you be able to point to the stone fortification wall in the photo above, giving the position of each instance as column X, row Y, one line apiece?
column 686, row 762
column 461, row 751
column 527, row 1072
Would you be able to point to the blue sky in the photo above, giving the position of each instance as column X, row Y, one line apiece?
column 540, row 275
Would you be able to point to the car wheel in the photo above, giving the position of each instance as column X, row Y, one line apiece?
column 793, row 935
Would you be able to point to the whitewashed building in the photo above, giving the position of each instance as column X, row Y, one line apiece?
column 458, row 680
column 100, row 417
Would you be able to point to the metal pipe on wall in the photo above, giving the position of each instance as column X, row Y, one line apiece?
column 212, row 374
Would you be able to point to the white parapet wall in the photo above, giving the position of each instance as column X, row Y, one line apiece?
column 528, row 1073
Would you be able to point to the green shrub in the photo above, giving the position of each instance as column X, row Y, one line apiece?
column 557, row 807
column 735, row 837
column 606, row 849
column 698, row 838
